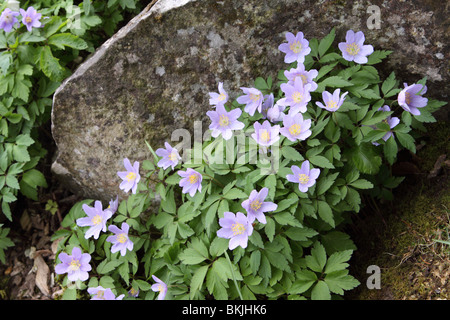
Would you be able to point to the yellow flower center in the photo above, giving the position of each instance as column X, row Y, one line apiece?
column 160, row 288
column 265, row 136
column 255, row 205
column 254, row 97
column 74, row 265
column 296, row 46
column 96, row 220
column 224, row 121
column 332, row 104
column 28, row 20
column 131, row 176
column 173, row 156
column 100, row 294
column 237, row 228
column 352, row 49
column 303, row 77
column 295, row 129
column 222, row 96
column 407, row 97
column 297, row 97
column 193, row 178
column 303, row 178
column 122, row 238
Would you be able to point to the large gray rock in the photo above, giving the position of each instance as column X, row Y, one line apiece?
column 154, row 75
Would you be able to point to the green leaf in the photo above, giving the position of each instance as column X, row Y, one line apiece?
column 197, row 280
column 325, row 212
column 320, row 291
column 362, row 184
column 365, row 158
column 235, row 194
column 168, row 204
column 300, row 234
column 291, row 154
column 305, row 279
column 269, row 229
column 390, row 150
column 191, row 256
column 5, row 61
column 255, row 261
column 337, row 241
column 325, row 183
column 50, row 65
column 107, row 266
column 62, row 40
column 321, row 161
column 34, row 178
column 277, row 259
column 24, row 140
column 318, row 258
column 377, row 56
column 339, row 281
column 406, row 141
column 12, row 182
column 326, row 42
column 389, row 83
column 337, row 261
column 335, row 82
column 20, row 153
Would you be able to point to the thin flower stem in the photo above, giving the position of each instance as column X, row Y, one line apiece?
column 232, row 274
column 214, row 180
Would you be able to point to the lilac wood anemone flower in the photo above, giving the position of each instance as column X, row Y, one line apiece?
column 256, row 206
column 191, row 182
column 8, row 19
column 295, row 128
column 274, row 113
column 391, row 121
column 75, row 265
column 160, row 287
column 113, row 205
column 170, row 156
column 218, row 98
column 307, row 77
column 101, row 293
column 30, row 18
column 131, row 177
column 120, row 240
column 296, row 49
column 304, row 176
column 224, row 122
column 253, row 100
column 333, row 101
column 296, row 95
column 265, row 135
column 353, row 49
column 410, row 98
column 96, row 219
column 237, row 228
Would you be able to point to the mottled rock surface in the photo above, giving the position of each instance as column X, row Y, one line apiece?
column 154, row 75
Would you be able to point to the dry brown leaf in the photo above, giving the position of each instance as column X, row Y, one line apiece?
column 42, row 272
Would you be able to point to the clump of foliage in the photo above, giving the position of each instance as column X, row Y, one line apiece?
column 35, row 57
column 209, row 236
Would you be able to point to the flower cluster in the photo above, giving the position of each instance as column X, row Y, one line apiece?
column 287, row 118
column 30, row 19
column 77, row 264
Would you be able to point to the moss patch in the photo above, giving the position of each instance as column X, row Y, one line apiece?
column 401, row 237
